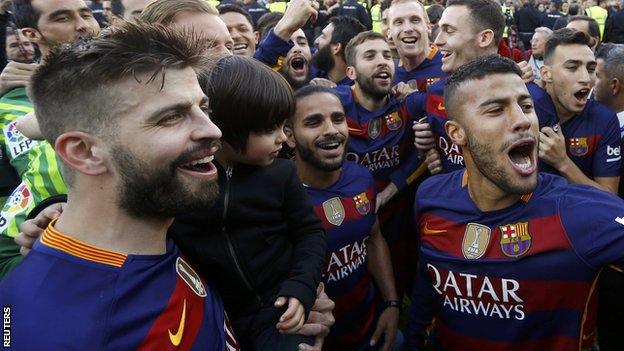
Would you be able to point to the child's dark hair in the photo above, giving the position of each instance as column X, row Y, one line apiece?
column 239, row 107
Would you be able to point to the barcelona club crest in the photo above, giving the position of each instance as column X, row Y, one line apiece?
column 374, row 128
column 476, row 241
column 393, row 121
column 362, row 205
column 578, row 146
column 515, row 239
column 334, row 211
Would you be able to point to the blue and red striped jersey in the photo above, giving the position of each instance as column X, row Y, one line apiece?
column 382, row 140
column 519, row 278
column 423, row 76
column 347, row 210
column 450, row 153
column 67, row 295
column 593, row 140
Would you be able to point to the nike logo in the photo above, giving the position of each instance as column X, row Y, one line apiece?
column 441, row 107
column 427, row 231
column 177, row 337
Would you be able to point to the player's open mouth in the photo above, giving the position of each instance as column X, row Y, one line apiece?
column 383, row 75
column 445, row 54
column 522, row 156
column 581, row 96
column 298, row 65
column 200, row 167
column 239, row 49
column 409, row 40
column 331, row 147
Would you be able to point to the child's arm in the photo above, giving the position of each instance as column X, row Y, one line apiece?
column 308, row 239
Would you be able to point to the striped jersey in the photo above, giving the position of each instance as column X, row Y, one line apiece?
column 518, row 278
column 347, row 210
column 593, row 140
column 16, row 146
column 383, row 141
column 42, row 179
column 68, row 295
column 423, row 76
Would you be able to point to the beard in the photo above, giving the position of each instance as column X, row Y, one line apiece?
column 293, row 82
column 147, row 192
column 323, row 59
column 482, row 155
column 307, row 154
column 368, row 86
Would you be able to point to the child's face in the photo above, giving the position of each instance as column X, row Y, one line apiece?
column 263, row 148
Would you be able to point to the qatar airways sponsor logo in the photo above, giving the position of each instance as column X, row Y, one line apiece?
column 479, row 295
column 452, row 151
column 386, row 157
column 345, row 261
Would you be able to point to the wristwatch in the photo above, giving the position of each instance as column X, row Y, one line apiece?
column 391, row 303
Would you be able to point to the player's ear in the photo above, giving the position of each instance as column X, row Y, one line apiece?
column 456, row 132
column 335, row 48
column 83, row 152
column 485, row 38
column 32, row 34
column 351, row 73
column 290, row 137
column 546, row 73
column 257, row 36
column 615, row 86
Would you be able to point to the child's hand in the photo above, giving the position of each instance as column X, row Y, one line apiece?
column 292, row 320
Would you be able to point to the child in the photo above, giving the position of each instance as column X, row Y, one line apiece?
column 261, row 242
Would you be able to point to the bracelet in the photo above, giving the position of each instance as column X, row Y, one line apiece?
column 391, row 303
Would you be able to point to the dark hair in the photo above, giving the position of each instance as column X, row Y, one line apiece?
column 240, row 108
column 564, row 36
column 613, row 56
column 267, row 22
column 164, row 11
column 476, row 69
column 592, row 25
column 314, row 89
column 71, row 89
column 345, row 29
column 117, row 8
column 385, row 4
column 225, row 8
column 573, row 10
column 435, row 12
column 311, row 89
column 24, row 14
column 351, row 49
column 485, row 14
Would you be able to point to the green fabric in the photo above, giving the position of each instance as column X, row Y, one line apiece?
column 42, row 179
column 9, row 255
column 16, row 146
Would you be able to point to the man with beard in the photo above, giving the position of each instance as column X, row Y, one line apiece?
column 343, row 195
column 46, row 24
column 588, row 26
column 508, row 258
column 329, row 58
column 136, row 149
column 381, row 139
column 419, row 62
column 586, row 149
column 468, row 29
column 296, row 68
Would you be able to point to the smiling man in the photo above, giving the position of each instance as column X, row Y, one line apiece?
column 586, row 150
column 381, row 139
column 419, row 62
column 136, row 149
column 508, row 258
